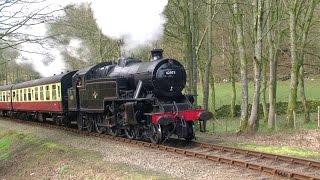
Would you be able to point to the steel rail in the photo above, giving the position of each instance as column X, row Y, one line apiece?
column 262, row 155
column 215, row 158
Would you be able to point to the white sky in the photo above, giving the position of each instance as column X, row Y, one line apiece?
column 139, row 22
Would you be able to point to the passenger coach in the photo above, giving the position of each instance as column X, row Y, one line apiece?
column 42, row 98
column 5, row 100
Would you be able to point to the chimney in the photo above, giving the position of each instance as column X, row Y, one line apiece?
column 156, row 54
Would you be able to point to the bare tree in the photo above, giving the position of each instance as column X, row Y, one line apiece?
column 297, row 46
column 212, row 10
column 257, row 62
column 238, row 17
column 17, row 16
column 302, row 41
column 275, row 15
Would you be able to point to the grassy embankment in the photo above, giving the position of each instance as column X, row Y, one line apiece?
column 283, row 150
column 231, row 125
column 223, row 97
column 22, row 156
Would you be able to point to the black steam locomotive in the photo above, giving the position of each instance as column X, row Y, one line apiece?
column 141, row 99
column 138, row 99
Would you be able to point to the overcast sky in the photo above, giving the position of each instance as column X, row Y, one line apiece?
column 138, row 21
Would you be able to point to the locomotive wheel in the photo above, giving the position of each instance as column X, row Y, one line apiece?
column 66, row 122
column 90, row 124
column 80, row 122
column 56, row 120
column 114, row 131
column 191, row 132
column 156, row 134
column 99, row 129
column 130, row 132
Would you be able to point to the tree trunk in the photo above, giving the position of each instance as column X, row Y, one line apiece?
column 209, row 57
column 274, row 36
column 303, row 96
column 193, row 53
column 213, row 96
column 292, row 103
column 264, row 91
column 254, row 120
column 273, row 67
column 243, row 67
column 187, row 46
column 232, row 67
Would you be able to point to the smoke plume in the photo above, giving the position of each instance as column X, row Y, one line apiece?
column 137, row 23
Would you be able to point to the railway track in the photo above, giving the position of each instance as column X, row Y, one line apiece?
column 272, row 164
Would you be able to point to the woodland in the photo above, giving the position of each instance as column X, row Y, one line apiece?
column 240, row 42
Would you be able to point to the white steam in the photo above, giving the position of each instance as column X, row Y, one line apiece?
column 136, row 22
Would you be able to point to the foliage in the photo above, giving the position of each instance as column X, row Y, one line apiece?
column 227, row 124
column 224, row 111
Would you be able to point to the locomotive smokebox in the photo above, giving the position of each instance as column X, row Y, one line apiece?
column 156, row 54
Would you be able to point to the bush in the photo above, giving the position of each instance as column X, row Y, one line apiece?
column 281, row 108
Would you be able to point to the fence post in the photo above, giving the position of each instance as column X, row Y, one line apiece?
column 275, row 121
column 318, row 116
column 294, row 119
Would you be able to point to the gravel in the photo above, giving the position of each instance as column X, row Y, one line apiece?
column 176, row 166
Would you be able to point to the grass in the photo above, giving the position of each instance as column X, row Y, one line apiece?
column 45, row 159
column 5, row 144
column 223, row 97
column 231, row 125
column 7, row 140
column 224, row 90
column 284, row 150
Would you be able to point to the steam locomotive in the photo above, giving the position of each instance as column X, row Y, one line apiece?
column 132, row 98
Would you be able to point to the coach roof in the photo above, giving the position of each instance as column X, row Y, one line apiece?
column 6, row 87
column 42, row 81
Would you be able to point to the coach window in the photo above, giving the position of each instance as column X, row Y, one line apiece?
column 29, row 94
column 47, row 93
column 59, row 92
column 21, row 96
column 18, row 95
column 25, row 95
column 36, row 95
column 8, row 96
column 54, row 92
column 14, row 96
column 41, row 93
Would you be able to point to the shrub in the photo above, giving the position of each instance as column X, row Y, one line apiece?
column 281, row 108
